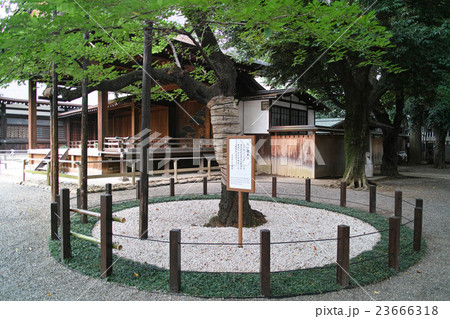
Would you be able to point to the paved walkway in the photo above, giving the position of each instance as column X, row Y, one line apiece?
column 28, row 272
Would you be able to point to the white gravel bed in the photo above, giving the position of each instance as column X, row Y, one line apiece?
column 285, row 222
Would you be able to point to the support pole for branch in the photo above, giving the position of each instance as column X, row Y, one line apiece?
column 84, row 133
column 175, row 261
column 418, row 217
column 265, row 262
column 83, row 218
column 145, row 130
column 343, row 259
column 274, row 186
column 138, row 188
column 106, row 244
column 308, row 190
column 54, row 136
column 394, row 242
column 66, row 250
column 343, row 194
column 372, row 199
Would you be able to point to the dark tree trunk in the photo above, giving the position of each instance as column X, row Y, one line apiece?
column 439, row 147
column 356, row 134
column 389, row 165
column 415, row 143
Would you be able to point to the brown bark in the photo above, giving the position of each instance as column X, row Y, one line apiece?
column 225, row 121
column 439, row 147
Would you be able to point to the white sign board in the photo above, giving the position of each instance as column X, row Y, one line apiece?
column 241, row 163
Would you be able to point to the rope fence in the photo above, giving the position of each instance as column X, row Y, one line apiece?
column 60, row 212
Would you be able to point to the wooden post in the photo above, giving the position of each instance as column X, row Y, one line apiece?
column 32, row 115
column 205, row 185
column 175, row 261
column 133, row 173
column 274, row 186
column 418, row 213
column 83, row 218
column 394, row 242
column 209, row 168
column 54, row 220
column 175, row 170
column 172, row 186
column 372, row 199
column 145, row 129
column 102, row 118
column 240, row 219
column 343, row 194
column 49, row 164
column 265, row 262
column 24, row 164
column 343, row 259
column 108, row 188
column 419, row 202
column 308, row 190
column 138, row 188
column 398, row 204
column 106, row 236
column 66, row 250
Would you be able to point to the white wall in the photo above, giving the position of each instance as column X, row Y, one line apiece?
column 254, row 121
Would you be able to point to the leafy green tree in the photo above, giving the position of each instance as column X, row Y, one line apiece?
column 337, row 50
column 40, row 34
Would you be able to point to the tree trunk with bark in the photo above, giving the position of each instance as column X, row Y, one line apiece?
column 225, row 122
column 415, row 144
column 356, row 131
column 439, row 147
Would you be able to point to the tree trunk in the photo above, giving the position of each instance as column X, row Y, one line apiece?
column 390, row 153
column 389, row 165
column 225, row 122
column 356, row 136
column 439, row 147
column 415, row 144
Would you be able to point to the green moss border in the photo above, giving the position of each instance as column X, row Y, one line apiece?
column 368, row 267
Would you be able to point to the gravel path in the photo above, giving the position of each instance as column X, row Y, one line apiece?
column 28, row 272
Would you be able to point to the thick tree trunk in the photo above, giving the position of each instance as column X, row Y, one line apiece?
column 356, row 132
column 390, row 153
column 415, row 144
column 439, row 147
column 225, row 122
column 389, row 165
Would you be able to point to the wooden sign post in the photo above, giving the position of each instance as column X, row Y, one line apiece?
column 241, row 171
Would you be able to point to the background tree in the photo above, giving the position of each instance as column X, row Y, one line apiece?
column 336, row 50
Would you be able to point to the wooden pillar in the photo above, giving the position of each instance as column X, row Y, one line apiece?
column 32, row 115
column 106, row 245
column 417, row 228
column 373, row 199
column 265, row 262
column 343, row 259
column 102, row 118
column 54, row 220
column 343, row 194
column 145, row 130
column 172, row 187
column 205, row 185
column 66, row 250
column 398, row 204
column 394, row 242
column 308, row 190
column 54, row 136
column 133, row 119
column 175, row 260
column 274, row 186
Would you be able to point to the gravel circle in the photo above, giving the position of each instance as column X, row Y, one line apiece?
column 286, row 222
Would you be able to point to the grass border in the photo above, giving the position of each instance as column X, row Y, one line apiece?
column 366, row 268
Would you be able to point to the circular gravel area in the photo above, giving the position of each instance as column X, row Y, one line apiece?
column 286, row 223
